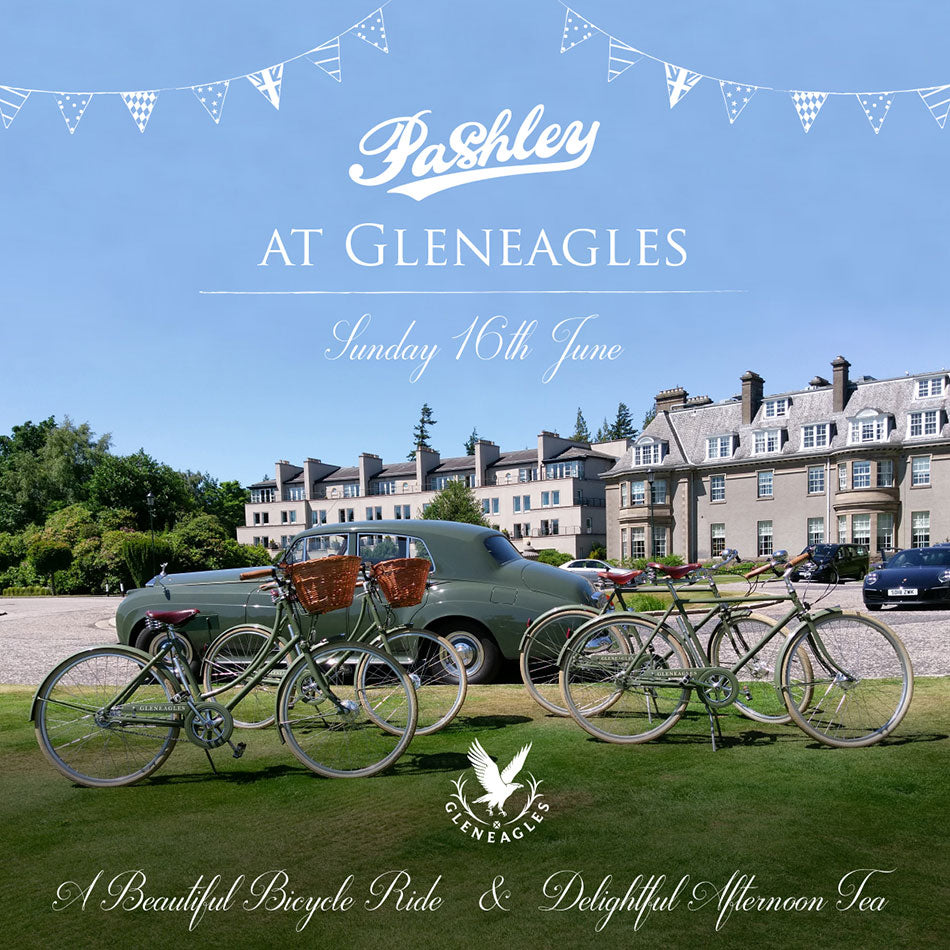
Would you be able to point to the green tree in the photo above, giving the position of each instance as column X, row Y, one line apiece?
column 648, row 417
column 48, row 557
column 469, row 446
column 604, row 433
column 143, row 557
column 420, row 434
column 623, row 427
column 455, row 502
column 224, row 500
column 581, row 432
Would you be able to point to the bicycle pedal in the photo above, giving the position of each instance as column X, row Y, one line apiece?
column 239, row 750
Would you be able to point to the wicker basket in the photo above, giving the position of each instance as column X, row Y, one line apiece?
column 325, row 584
column 402, row 580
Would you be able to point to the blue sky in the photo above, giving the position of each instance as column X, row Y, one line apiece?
column 837, row 238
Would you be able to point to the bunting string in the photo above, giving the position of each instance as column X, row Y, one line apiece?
column 680, row 80
column 267, row 81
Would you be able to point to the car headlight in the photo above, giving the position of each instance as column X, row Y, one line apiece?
column 870, row 579
column 944, row 577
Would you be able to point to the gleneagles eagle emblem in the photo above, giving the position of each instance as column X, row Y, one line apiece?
column 499, row 787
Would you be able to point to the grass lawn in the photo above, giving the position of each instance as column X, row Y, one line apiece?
column 770, row 803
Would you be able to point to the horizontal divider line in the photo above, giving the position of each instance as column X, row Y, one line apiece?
column 292, row 293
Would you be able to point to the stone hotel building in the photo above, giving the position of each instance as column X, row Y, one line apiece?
column 859, row 460
column 549, row 496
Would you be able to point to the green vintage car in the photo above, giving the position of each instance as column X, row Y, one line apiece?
column 481, row 595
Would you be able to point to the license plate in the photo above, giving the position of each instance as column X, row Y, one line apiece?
column 902, row 592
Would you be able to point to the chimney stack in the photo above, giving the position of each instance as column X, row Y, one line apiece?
column 752, row 384
column 842, row 385
column 671, row 399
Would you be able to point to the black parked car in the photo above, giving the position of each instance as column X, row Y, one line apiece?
column 914, row 576
column 833, row 563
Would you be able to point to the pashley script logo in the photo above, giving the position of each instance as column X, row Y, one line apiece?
column 474, row 152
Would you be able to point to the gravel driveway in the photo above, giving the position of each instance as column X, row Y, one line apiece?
column 37, row 632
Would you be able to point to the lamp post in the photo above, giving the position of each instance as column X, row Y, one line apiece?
column 650, row 476
column 150, row 501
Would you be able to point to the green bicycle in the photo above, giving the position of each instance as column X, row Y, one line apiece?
column 111, row 715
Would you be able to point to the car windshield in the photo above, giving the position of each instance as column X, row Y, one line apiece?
column 501, row 549
column 921, row 557
column 824, row 550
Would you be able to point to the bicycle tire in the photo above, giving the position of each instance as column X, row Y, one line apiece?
column 542, row 644
column 596, row 679
column 866, row 699
column 228, row 666
column 333, row 735
column 437, row 674
column 87, row 745
column 759, row 698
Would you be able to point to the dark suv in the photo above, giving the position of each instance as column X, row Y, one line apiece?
column 833, row 563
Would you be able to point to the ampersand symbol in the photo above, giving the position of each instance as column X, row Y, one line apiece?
column 492, row 900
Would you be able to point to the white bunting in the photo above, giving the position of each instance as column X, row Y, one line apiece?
column 576, row 30
column 212, row 97
column 736, row 97
column 620, row 58
column 327, row 57
column 72, row 105
column 808, row 105
column 140, row 105
column 679, row 81
column 11, row 101
column 267, row 83
column 372, row 30
column 937, row 100
column 876, row 106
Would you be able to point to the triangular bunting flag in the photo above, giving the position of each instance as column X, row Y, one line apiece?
column 679, row 81
column 576, row 30
column 140, row 105
column 937, row 100
column 620, row 58
column 808, row 105
column 72, row 105
column 372, row 30
column 876, row 106
column 327, row 57
column 212, row 97
column 11, row 101
column 736, row 97
column 267, row 83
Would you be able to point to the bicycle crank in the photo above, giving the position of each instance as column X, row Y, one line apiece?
column 208, row 725
column 718, row 686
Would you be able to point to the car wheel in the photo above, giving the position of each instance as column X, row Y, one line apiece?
column 872, row 607
column 477, row 649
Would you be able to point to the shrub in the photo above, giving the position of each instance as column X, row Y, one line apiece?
column 27, row 592
column 552, row 556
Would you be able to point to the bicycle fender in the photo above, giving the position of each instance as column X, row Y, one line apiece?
column 112, row 646
column 780, row 660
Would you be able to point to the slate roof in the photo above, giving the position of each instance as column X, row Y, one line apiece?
column 350, row 473
column 460, row 464
column 515, row 458
column 396, row 470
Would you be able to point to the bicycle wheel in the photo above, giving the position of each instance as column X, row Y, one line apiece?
column 603, row 673
column 229, row 664
column 436, row 671
column 84, row 739
column 863, row 680
column 325, row 719
column 759, row 698
column 543, row 642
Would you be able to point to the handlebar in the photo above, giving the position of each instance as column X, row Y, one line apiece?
column 798, row 559
column 258, row 572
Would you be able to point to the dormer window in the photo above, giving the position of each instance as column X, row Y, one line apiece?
column 720, row 447
column 767, row 440
column 925, row 422
column 930, row 386
column 869, row 425
column 776, row 408
column 649, row 452
column 816, row 436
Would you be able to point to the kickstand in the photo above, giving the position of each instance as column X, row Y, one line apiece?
column 714, row 726
column 211, row 761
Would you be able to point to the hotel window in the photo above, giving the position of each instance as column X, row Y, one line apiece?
column 767, row 440
column 318, row 517
column 525, row 502
column 920, row 470
column 564, row 470
column 920, row 529
column 283, row 517
column 842, row 477
column 402, row 512
column 659, row 492
column 659, row 542
column 871, row 428
column 885, row 531
column 293, row 493
column 550, row 499
column 922, row 423
column 816, row 479
column 651, row 453
column 351, row 490
column 776, row 408
column 861, row 530
column 719, row 447
column 765, row 482
column 885, row 473
column 374, row 513
column 386, row 487
column 527, row 474
column 637, row 493
column 861, row 475
column 257, row 517
column 816, row 531
column 624, row 489
column 717, row 539
column 842, row 529
column 262, row 495
column 717, row 487
column 931, row 386
column 516, row 504
column 815, row 436
column 638, row 546
column 764, row 534
column 623, row 544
